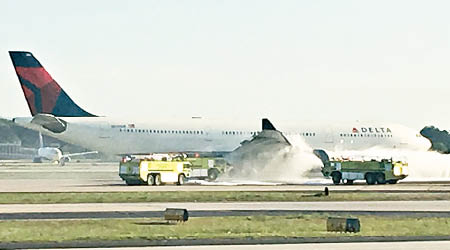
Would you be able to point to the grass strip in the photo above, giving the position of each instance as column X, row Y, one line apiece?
column 210, row 228
column 209, row 196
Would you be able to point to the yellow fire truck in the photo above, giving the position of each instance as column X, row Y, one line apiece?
column 154, row 172
column 373, row 171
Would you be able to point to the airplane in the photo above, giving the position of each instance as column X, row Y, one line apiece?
column 54, row 154
column 54, row 113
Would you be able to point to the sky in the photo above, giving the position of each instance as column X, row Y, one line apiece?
column 326, row 61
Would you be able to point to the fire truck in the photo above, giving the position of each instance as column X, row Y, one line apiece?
column 372, row 170
column 135, row 171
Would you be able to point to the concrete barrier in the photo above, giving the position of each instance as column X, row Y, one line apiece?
column 351, row 225
column 176, row 214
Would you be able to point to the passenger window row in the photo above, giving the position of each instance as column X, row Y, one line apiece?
column 365, row 135
column 255, row 133
column 160, row 131
column 198, row 132
column 238, row 133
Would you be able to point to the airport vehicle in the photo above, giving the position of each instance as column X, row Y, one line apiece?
column 207, row 167
column 56, row 114
column 154, row 172
column 374, row 171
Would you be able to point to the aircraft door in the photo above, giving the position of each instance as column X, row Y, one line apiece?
column 104, row 131
column 329, row 138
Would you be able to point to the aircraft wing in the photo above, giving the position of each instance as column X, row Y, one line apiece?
column 79, row 154
column 50, row 122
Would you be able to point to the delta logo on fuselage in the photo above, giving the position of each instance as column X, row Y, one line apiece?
column 371, row 130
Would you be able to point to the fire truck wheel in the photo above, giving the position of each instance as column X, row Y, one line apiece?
column 213, row 174
column 336, row 176
column 181, row 179
column 381, row 179
column 370, row 179
column 150, row 180
column 158, row 181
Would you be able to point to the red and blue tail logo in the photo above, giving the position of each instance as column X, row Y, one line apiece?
column 43, row 94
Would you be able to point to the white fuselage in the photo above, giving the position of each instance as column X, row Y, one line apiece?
column 203, row 135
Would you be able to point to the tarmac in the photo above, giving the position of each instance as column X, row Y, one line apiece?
column 396, row 206
column 213, row 213
column 368, row 242
column 103, row 177
column 410, row 245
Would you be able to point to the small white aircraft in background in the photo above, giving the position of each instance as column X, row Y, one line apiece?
column 55, row 154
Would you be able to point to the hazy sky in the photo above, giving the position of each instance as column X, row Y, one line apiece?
column 291, row 60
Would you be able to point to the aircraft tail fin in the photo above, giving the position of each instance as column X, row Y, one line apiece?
column 267, row 125
column 43, row 94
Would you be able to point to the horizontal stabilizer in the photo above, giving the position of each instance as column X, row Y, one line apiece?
column 80, row 154
column 50, row 122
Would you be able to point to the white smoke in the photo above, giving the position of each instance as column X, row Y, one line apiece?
column 429, row 166
column 290, row 164
column 298, row 164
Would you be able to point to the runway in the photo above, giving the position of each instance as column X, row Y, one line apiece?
column 211, row 213
column 103, row 177
column 399, row 206
column 410, row 245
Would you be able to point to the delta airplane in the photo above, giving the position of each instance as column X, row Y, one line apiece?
column 56, row 114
